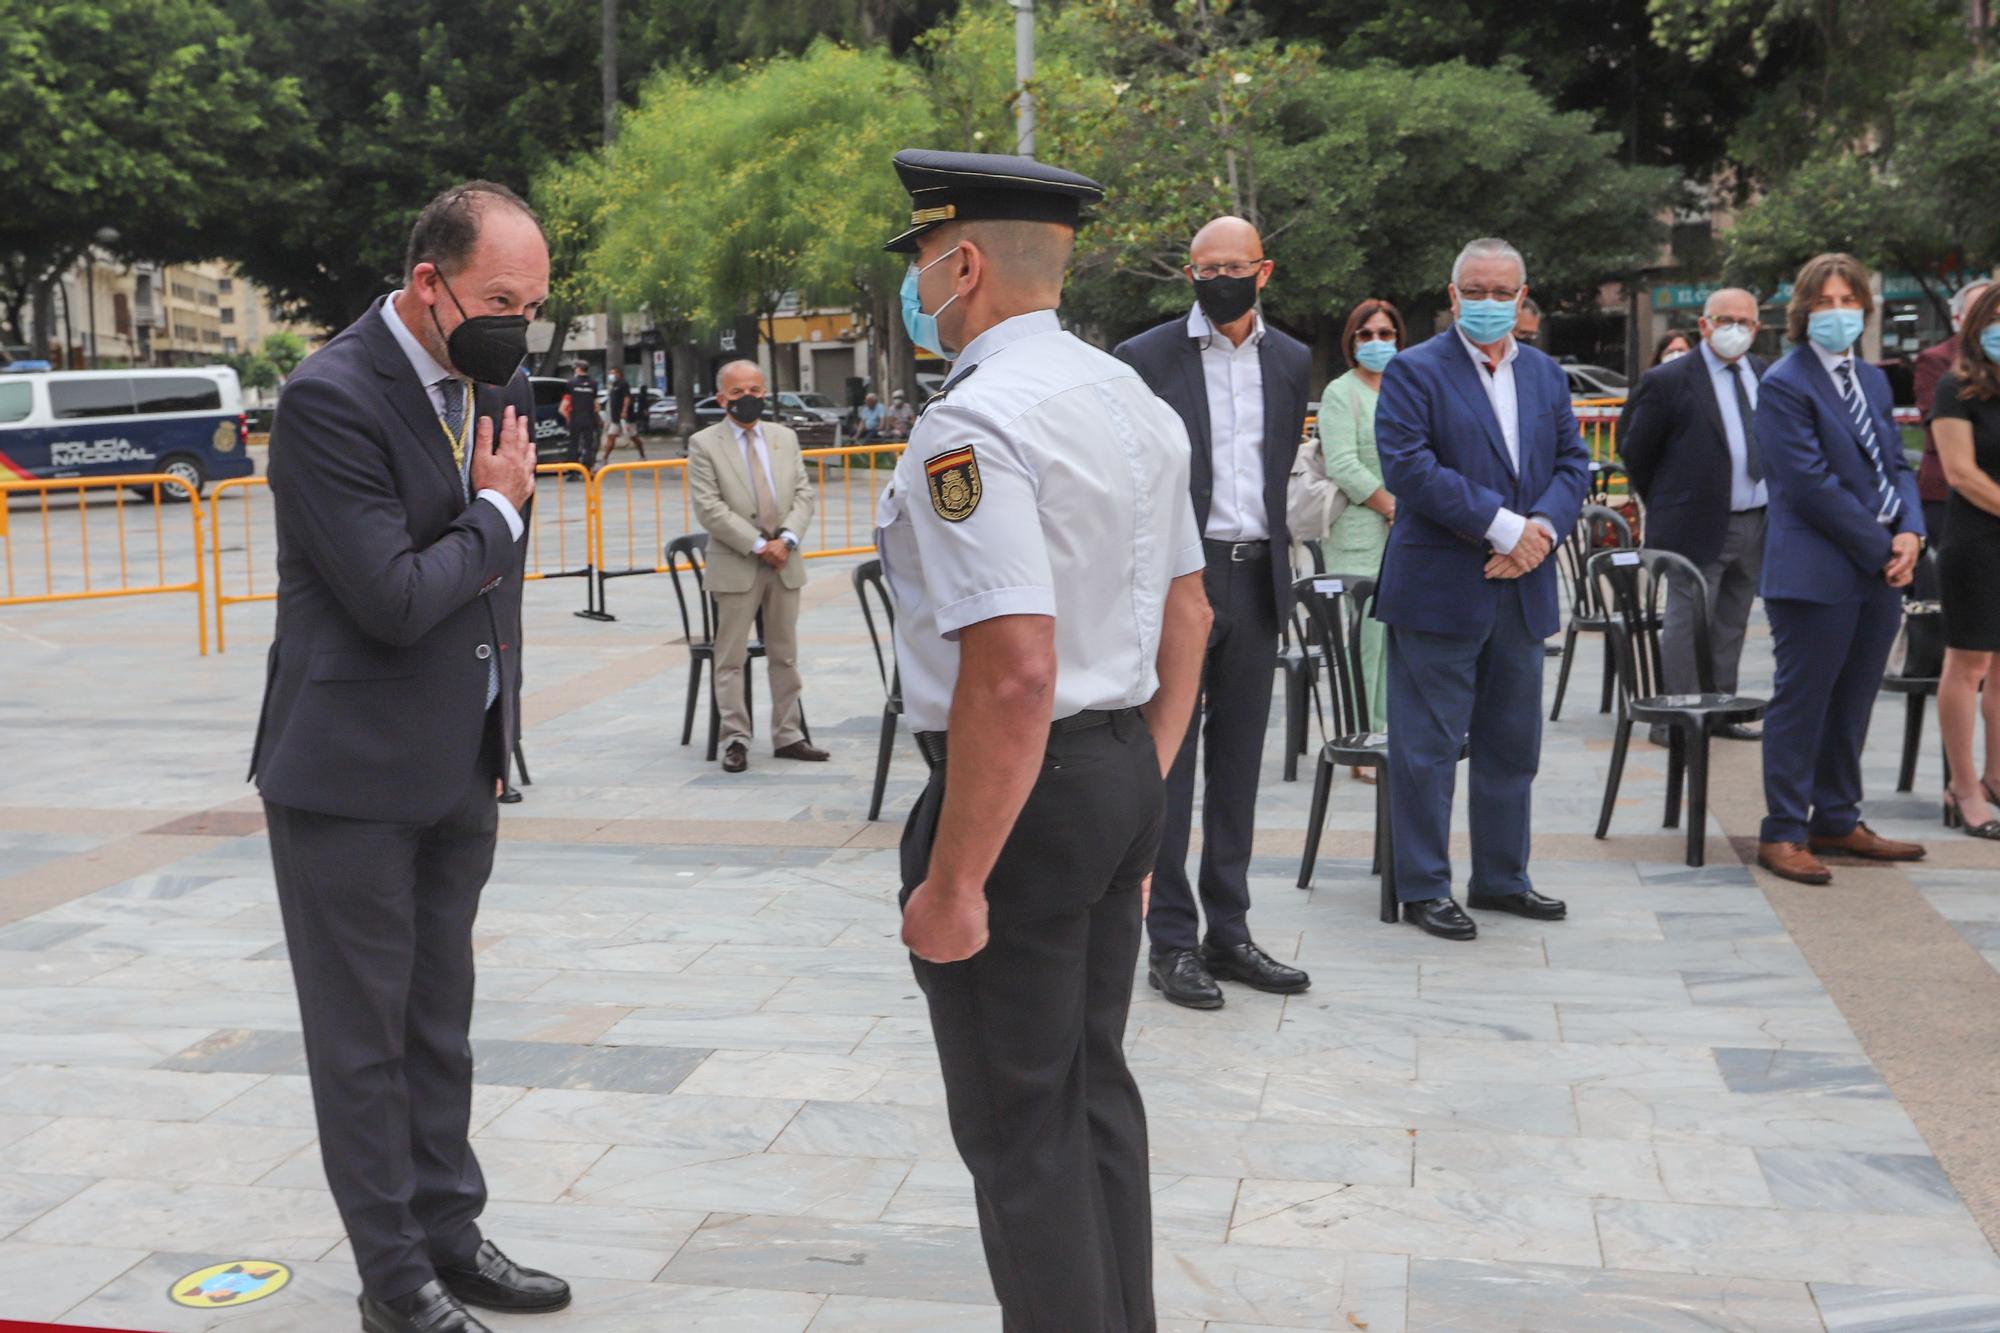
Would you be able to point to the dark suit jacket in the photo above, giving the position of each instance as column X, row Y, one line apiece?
column 1677, row 455
column 1822, row 543
column 1445, row 461
column 1170, row 363
column 393, row 593
column 1932, row 364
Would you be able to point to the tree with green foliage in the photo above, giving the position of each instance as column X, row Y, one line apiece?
column 284, row 350
column 143, row 115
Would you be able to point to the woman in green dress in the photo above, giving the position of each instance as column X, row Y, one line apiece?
column 1373, row 336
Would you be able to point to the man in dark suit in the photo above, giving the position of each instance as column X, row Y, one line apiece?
column 1933, row 364
column 1241, row 387
column 1482, row 453
column 392, row 702
column 1690, row 447
column 1846, row 530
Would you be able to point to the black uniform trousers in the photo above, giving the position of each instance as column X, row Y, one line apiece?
column 1230, row 718
column 1030, row 1033
column 378, row 922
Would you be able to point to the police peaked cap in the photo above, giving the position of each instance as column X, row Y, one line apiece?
column 969, row 187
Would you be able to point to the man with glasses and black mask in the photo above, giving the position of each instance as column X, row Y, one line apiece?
column 1690, row 448
column 1240, row 387
column 753, row 495
column 400, row 467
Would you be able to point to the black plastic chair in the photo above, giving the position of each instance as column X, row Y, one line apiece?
column 869, row 584
column 1301, row 671
column 1916, row 677
column 1632, row 586
column 691, row 549
column 1325, row 600
column 1596, row 528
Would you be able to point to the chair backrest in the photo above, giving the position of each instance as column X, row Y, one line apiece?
column 1602, row 475
column 1329, row 603
column 872, row 591
column 1632, row 586
column 1597, row 528
column 691, row 549
column 1923, row 624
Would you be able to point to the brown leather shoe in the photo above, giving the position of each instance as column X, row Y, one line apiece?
column 805, row 750
column 1865, row 842
column 1790, row 860
column 736, row 758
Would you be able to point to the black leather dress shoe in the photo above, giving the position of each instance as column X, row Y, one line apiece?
column 1179, row 975
column 1441, row 917
column 428, row 1309
column 1253, row 967
column 736, row 758
column 495, row 1282
column 1529, row 904
column 1740, row 731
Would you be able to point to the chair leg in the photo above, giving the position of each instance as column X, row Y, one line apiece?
column 1676, row 773
column 694, row 698
column 1295, row 720
column 521, row 762
column 1913, row 740
column 882, row 757
column 1322, row 787
column 714, row 717
column 1697, row 782
column 1610, row 676
column 1390, row 911
column 1562, row 672
column 1620, row 739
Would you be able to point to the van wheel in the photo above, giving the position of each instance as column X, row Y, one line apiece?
column 189, row 471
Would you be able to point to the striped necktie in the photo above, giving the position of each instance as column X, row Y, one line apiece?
column 1889, row 504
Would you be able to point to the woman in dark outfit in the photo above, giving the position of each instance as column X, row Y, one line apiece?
column 1966, row 416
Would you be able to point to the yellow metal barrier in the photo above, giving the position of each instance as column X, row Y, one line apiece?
column 636, row 503
column 1598, row 419
column 242, row 486
column 101, row 503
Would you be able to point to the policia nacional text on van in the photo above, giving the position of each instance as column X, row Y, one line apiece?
column 1041, row 546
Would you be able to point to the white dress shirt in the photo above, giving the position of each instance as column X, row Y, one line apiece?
column 1082, row 513
column 1744, row 494
column 434, row 377
column 1504, row 533
column 750, row 439
column 1235, row 381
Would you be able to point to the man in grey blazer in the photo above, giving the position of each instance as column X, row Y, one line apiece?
column 753, row 496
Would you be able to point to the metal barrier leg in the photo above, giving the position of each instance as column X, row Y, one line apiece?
column 593, row 596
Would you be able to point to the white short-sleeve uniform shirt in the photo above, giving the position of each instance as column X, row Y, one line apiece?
column 1046, row 480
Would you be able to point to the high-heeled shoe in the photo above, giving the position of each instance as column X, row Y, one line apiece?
column 1955, row 818
column 1991, row 795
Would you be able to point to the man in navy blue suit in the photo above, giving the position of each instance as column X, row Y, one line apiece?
column 1846, row 527
column 1482, row 453
column 1690, row 447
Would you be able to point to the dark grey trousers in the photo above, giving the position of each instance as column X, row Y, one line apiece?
column 1732, row 590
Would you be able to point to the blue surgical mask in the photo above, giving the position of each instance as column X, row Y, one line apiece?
column 1834, row 331
column 1486, row 322
column 1989, row 341
column 922, row 328
column 1374, row 355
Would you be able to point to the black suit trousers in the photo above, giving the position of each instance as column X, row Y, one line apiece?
column 1030, row 1035
column 1230, row 719
column 378, row 922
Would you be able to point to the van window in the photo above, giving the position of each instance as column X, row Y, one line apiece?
column 177, row 394
column 98, row 396
column 16, row 401
column 549, row 392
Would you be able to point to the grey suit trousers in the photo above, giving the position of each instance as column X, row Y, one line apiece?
column 1732, row 590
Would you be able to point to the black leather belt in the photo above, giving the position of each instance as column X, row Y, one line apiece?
column 1237, row 552
column 931, row 744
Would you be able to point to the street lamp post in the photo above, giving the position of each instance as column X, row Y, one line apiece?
column 1024, row 74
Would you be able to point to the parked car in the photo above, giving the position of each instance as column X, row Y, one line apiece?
column 1595, row 381
column 812, row 404
column 813, row 431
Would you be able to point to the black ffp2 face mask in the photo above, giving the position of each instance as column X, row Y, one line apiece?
column 489, row 348
column 748, row 409
column 1225, row 299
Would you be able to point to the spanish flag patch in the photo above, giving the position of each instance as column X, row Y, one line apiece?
column 954, row 483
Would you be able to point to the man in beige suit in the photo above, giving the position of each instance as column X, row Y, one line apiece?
column 752, row 494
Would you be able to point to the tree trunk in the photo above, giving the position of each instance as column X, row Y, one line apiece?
column 686, row 359
column 552, row 359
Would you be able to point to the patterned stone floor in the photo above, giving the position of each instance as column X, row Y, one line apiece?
column 707, row 1091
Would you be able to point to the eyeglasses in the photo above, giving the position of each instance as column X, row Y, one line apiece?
column 1488, row 293
column 1375, row 335
column 1729, row 322
column 1239, row 269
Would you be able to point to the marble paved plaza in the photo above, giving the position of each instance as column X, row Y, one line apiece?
column 707, row 1092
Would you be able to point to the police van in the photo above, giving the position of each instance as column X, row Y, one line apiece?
column 188, row 423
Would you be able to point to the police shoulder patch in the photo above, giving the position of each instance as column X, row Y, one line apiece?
column 953, row 477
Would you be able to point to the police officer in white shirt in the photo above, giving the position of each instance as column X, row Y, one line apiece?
column 1042, row 551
